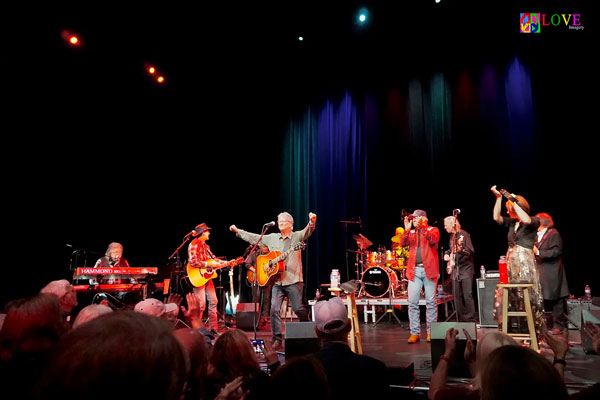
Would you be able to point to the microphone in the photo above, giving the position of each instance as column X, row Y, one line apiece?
column 508, row 195
column 457, row 211
column 272, row 223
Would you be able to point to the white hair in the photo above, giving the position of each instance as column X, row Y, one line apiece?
column 58, row 288
column 286, row 217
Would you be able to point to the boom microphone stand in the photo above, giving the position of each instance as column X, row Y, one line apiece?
column 255, row 283
column 175, row 277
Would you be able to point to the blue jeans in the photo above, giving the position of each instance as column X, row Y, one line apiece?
column 414, row 294
column 294, row 294
column 204, row 294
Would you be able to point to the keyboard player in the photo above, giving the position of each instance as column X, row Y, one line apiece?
column 113, row 258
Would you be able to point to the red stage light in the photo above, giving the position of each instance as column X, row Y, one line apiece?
column 74, row 40
column 152, row 70
column 160, row 79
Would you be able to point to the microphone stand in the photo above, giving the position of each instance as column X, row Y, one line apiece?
column 255, row 283
column 346, row 243
column 176, row 275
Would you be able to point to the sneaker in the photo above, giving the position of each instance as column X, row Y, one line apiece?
column 413, row 339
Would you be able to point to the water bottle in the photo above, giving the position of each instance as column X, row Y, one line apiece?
column 482, row 272
column 588, row 292
column 335, row 279
column 440, row 290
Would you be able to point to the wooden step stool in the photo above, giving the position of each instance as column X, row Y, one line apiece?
column 527, row 313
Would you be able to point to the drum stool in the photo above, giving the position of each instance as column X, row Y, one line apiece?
column 527, row 313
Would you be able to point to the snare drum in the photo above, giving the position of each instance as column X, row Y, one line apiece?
column 377, row 281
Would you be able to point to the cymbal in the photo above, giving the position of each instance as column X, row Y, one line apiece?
column 361, row 239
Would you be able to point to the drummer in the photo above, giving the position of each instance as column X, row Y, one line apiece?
column 401, row 253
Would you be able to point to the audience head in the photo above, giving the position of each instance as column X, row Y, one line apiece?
column 331, row 320
column 90, row 312
column 32, row 326
column 157, row 308
column 194, row 343
column 232, row 355
column 301, row 378
column 118, row 355
column 488, row 343
column 65, row 293
column 516, row 372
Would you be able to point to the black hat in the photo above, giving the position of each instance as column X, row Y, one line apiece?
column 200, row 229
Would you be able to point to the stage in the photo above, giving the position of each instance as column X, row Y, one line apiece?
column 387, row 341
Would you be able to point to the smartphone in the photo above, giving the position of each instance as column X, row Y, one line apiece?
column 258, row 345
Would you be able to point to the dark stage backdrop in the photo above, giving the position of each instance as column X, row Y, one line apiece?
column 409, row 113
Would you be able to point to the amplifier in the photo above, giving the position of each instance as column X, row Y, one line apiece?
column 486, row 290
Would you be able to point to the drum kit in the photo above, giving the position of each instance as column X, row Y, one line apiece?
column 382, row 272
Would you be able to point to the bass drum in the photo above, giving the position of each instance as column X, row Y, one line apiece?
column 377, row 281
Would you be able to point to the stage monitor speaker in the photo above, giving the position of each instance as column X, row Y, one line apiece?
column 458, row 366
column 300, row 339
column 575, row 308
column 246, row 314
column 592, row 316
column 486, row 291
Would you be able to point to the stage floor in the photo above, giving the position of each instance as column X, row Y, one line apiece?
column 387, row 341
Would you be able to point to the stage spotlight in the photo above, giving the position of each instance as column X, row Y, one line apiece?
column 151, row 70
column 160, row 79
column 300, row 38
column 362, row 18
column 71, row 38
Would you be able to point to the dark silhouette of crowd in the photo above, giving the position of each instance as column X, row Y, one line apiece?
column 161, row 350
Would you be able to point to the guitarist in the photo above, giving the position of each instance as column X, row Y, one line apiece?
column 289, row 283
column 461, row 268
column 198, row 256
column 260, row 293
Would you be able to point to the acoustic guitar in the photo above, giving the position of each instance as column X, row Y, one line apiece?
column 269, row 265
column 200, row 276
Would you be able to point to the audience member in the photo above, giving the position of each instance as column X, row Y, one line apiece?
column 65, row 293
column 31, row 328
column 233, row 356
column 197, row 350
column 157, row 308
column 301, row 378
column 516, row 372
column 118, row 355
column 345, row 368
column 476, row 358
column 90, row 312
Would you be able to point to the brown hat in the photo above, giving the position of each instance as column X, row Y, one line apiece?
column 200, row 229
